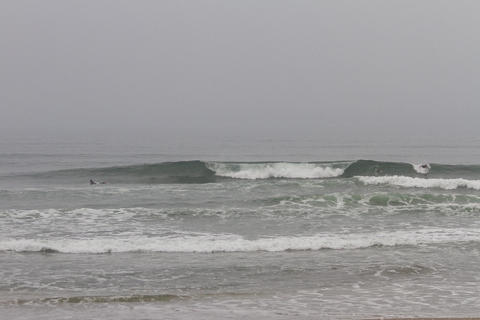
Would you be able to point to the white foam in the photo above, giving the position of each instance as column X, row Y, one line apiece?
column 402, row 181
column 235, row 243
column 275, row 170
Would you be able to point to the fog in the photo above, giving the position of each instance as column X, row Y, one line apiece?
column 245, row 69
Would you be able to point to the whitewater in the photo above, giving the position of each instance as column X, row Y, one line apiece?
column 207, row 243
column 274, row 170
column 402, row 181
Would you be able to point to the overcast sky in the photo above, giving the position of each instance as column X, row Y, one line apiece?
column 243, row 68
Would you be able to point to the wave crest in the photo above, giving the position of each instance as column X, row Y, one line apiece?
column 197, row 171
column 402, row 181
column 274, row 170
column 209, row 243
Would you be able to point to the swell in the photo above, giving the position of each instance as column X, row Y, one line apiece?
column 165, row 172
column 195, row 172
column 205, row 172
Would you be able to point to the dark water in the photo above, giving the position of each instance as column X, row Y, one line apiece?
column 266, row 229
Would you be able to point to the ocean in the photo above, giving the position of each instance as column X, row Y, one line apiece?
column 228, row 229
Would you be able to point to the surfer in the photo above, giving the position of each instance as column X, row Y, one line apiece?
column 423, row 168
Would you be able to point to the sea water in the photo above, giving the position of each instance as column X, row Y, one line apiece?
column 264, row 229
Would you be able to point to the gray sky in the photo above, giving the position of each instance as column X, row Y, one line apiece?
column 244, row 68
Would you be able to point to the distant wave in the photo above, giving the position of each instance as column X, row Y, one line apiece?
column 402, row 181
column 212, row 171
column 209, row 243
column 165, row 172
column 197, row 172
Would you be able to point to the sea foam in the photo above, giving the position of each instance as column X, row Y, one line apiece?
column 208, row 243
column 274, row 170
column 402, row 181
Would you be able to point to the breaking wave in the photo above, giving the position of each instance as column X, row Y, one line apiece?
column 274, row 170
column 205, row 172
column 402, row 181
column 211, row 243
column 381, row 168
column 197, row 172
